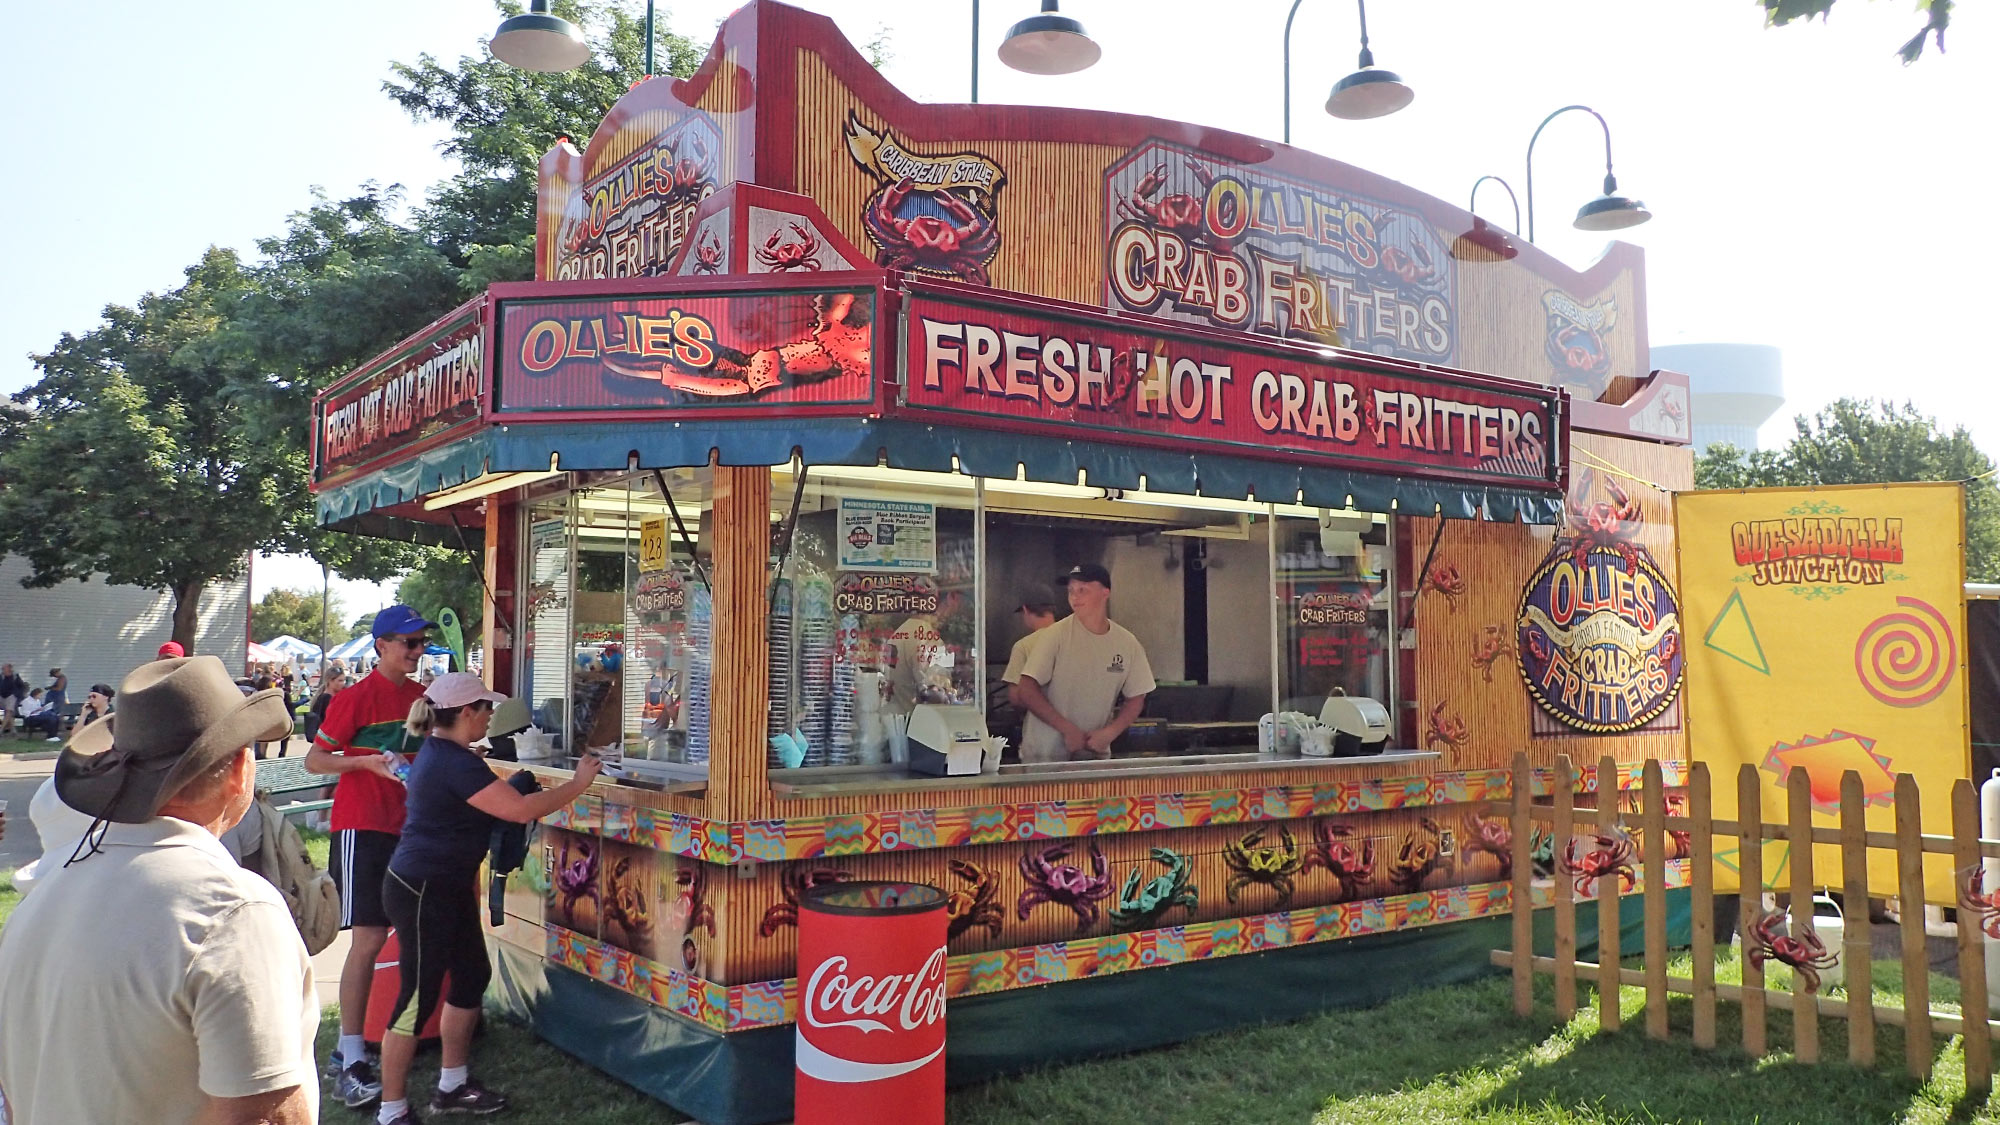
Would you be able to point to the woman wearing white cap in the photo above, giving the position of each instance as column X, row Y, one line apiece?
column 432, row 896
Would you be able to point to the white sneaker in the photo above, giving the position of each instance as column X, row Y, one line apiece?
column 53, row 738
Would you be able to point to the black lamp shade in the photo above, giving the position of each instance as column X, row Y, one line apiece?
column 1611, row 212
column 1370, row 92
column 539, row 41
column 1049, row 43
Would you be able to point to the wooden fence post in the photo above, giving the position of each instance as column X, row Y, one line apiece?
column 1654, row 818
column 1857, row 944
column 1701, row 859
column 1799, row 831
column 1910, row 896
column 1560, row 830
column 1750, row 851
column 1971, row 941
column 1608, row 886
column 1522, row 888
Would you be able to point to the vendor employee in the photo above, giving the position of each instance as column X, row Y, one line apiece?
column 1078, row 671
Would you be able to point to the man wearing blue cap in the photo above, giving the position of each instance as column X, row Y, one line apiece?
column 360, row 741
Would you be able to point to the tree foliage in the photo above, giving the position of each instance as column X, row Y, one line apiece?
column 448, row 578
column 297, row 613
column 1936, row 13
column 1856, row 442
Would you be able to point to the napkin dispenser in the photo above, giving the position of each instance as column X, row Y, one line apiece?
column 946, row 740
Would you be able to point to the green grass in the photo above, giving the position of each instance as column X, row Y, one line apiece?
column 1452, row 1054
column 317, row 845
column 9, row 897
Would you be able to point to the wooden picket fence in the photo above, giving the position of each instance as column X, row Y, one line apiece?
column 1563, row 817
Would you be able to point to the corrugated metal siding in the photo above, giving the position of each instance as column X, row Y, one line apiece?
column 97, row 632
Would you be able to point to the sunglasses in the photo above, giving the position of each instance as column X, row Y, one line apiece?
column 410, row 642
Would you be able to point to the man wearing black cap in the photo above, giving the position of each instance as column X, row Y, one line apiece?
column 1077, row 672
column 1038, row 612
column 359, row 741
column 150, row 977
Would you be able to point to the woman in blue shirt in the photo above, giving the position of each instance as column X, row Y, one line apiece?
column 432, row 892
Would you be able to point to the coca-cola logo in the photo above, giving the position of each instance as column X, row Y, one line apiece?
column 833, row 998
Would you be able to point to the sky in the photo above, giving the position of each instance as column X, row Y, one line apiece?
column 1802, row 178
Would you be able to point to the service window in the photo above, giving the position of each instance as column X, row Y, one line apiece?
column 1335, row 595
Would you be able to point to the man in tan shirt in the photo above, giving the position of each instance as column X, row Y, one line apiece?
column 150, row 978
column 1085, row 679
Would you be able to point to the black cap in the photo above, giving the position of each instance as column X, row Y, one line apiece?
column 1039, row 599
column 1086, row 572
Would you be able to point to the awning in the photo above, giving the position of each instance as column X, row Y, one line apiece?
column 922, row 447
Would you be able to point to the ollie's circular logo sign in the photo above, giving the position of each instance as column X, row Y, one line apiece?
column 1600, row 639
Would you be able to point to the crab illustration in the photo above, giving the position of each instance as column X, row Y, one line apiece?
column 1806, row 954
column 1141, row 908
column 1065, row 884
column 686, row 178
column 973, row 905
column 1421, row 853
column 1597, row 523
column 576, row 875
column 794, row 887
column 627, row 903
column 1974, row 897
column 708, row 254
column 1613, row 855
column 1542, row 852
column 780, row 256
column 1253, row 861
column 1447, row 582
column 1414, row 266
column 956, row 243
column 837, row 345
column 1179, row 213
column 1494, row 642
column 1448, row 730
column 1493, row 836
column 1334, row 849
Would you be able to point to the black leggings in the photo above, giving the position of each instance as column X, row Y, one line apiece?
column 437, row 929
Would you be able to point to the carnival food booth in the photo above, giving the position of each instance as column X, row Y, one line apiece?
column 817, row 386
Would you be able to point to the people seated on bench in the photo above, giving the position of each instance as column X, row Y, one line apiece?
column 37, row 715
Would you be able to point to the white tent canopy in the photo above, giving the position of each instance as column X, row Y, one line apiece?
column 298, row 650
column 352, row 650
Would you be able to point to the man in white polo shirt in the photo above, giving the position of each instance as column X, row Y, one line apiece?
column 150, row 978
column 1085, row 679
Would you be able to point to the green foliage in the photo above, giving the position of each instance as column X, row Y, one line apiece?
column 1855, row 442
column 360, row 627
column 447, row 578
column 1937, row 17
column 296, row 612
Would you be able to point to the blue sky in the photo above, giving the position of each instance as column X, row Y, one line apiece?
column 1811, row 192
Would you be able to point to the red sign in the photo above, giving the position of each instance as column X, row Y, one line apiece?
column 785, row 347
column 870, row 1043
column 1001, row 363
column 422, row 387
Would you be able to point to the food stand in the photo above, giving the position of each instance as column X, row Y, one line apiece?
column 816, row 384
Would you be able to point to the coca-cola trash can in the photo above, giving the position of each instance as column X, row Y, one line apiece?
column 870, row 1045
column 382, row 996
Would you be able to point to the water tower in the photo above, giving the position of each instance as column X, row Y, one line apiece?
column 1735, row 388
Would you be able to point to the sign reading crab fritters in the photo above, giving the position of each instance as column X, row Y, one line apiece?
column 934, row 214
column 417, row 391
column 631, row 219
column 1199, row 239
column 1600, row 637
column 1013, row 365
column 793, row 347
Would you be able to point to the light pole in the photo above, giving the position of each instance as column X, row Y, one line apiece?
column 1368, row 92
column 1472, row 204
column 1609, row 211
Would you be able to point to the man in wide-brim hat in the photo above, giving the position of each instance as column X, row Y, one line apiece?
column 150, row 978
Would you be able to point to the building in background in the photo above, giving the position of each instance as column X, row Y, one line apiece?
column 97, row 632
column 1735, row 388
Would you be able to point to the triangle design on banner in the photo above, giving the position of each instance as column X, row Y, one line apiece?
column 1732, row 635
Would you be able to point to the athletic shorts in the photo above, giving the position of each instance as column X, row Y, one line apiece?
column 360, row 863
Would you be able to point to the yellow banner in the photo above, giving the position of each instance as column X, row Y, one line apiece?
column 1826, row 630
column 652, row 544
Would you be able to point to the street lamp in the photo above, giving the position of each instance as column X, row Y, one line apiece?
column 1049, row 43
column 1368, row 92
column 1485, row 235
column 1609, row 211
column 536, row 40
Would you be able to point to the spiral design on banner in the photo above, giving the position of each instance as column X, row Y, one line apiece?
column 1906, row 659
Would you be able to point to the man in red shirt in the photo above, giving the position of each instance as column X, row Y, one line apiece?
column 359, row 741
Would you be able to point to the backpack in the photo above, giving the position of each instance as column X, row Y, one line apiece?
column 281, row 857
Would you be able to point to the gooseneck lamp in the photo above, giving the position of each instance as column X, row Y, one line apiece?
column 1049, row 43
column 536, row 40
column 1368, row 92
column 1609, row 211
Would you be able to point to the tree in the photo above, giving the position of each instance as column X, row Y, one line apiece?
column 134, row 464
column 1937, row 17
column 1855, row 442
column 448, row 578
column 361, row 626
column 293, row 612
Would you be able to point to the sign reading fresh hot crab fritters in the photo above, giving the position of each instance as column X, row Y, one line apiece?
column 1202, row 240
